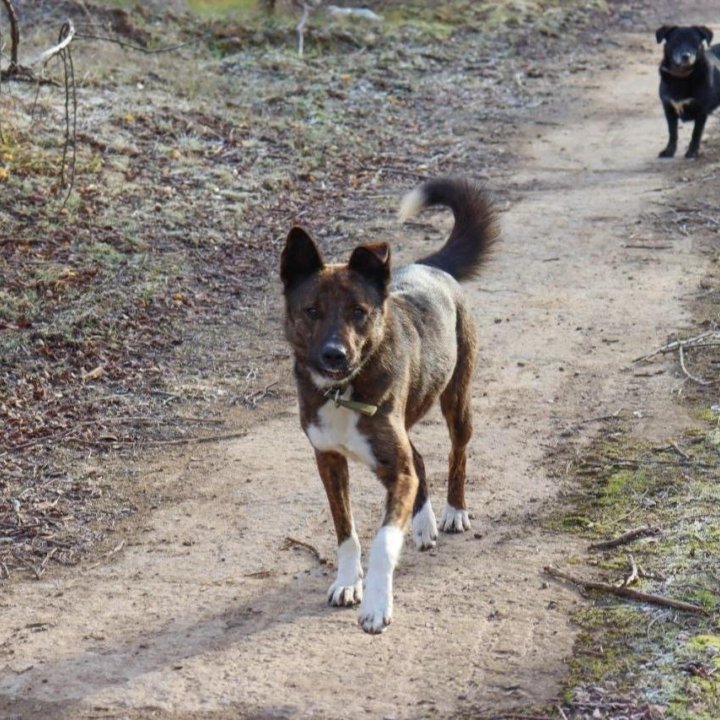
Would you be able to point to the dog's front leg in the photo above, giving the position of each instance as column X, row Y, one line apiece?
column 347, row 588
column 401, row 483
column 698, row 128
column 672, row 122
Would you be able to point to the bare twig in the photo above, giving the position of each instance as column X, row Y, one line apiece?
column 14, row 33
column 574, row 427
column 680, row 452
column 675, row 344
column 16, row 71
column 290, row 542
column 694, row 378
column 174, row 441
column 253, row 398
column 140, row 48
column 364, row 13
column 625, row 592
column 648, row 247
column 67, row 32
column 626, row 537
column 634, row 574
column 107, row 555
column 300, row 29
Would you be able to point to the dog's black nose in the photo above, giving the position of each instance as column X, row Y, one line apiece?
column 686, row 57
column 334, row 356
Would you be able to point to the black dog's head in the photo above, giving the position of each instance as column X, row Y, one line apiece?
column 683, row 45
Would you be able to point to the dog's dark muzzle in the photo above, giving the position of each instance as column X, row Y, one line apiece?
column 334, row 360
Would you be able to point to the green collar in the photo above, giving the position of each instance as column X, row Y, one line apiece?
column 366, row 409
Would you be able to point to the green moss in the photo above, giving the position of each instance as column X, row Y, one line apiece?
column 639, row 650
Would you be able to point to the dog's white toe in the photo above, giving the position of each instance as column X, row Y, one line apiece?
column 341, row 595
column 454, row 520
column 424, row 527
column 376, row 608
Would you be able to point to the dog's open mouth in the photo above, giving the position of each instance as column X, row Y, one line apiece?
column 336, row 375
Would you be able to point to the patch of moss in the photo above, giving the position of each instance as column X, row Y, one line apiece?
column 637, row 651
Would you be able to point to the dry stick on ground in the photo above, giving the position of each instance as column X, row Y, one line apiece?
column 634, row 573
column 14, row 35
column 174, row 441
column 62, row 50
column 290, row 542
column 16, row 71
column 300, row 29
column 140, row 48
column 108, row 554
column 675, row 344
column 625, row 592
column 694, row 378
column 627, row 537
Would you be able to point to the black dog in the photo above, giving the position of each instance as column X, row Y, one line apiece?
column 689, row 81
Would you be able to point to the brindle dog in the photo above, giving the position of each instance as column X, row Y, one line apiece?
column 373, row 352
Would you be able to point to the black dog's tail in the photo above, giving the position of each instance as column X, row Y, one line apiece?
column 475, row 229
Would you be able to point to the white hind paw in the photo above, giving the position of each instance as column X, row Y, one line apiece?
column 424, row 527
column 454, row 520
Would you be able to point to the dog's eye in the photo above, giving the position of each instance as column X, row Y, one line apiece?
column 359, row 313
column 312, row 312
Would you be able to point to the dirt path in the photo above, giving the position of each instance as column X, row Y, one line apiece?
column 208, row 610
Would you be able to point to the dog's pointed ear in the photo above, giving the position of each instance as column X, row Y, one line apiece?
column 300, row 258
column 706, row 32
column 662, row 32
column 372, row 261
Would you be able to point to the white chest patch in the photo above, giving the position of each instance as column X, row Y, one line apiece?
column 336, row 430
column 680, row 105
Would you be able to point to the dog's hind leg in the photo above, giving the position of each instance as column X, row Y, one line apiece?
column 694, row 147
column 424, row 526
column 455, row 405
column 347, row 588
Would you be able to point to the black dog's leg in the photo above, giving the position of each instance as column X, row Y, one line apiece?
column 694, row 146
column 672, row 122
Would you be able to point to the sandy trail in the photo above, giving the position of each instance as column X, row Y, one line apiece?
column 207, row 611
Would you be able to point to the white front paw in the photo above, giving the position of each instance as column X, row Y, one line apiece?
column 454, row 520
column 424, row 527
column 376, row 608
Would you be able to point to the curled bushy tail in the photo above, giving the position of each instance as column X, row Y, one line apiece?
column 475, row 229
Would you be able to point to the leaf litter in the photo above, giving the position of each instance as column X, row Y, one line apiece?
column 144, row 310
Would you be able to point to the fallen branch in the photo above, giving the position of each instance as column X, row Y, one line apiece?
column 694, row 378
column 634, row 573
column 67, row 32
column 14, row 33
column 290, row 542
column 625, row 592
column 300, row 29
column 354, row 12
column 574, row 427
column 107, row 555
column 675, row 344
column 140, row 48
column 16, row 71
column 627, row 537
